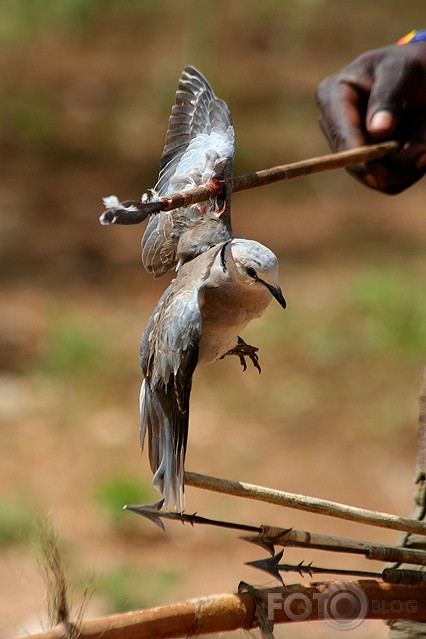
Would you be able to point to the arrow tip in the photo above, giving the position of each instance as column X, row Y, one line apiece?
column 259, row 541
column 150, row 511
column 270, row 565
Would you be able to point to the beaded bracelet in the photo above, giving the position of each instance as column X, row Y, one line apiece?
column 413, row 36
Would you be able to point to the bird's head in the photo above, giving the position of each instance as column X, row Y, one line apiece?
column 255, row 265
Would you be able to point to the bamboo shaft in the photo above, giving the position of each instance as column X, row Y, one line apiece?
column 225, row 612
column 421, row 441
column 302, row 502
column 194, row 617
column 378, row 552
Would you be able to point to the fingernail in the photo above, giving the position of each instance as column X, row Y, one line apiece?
column 421, row 162
column 377, row 178
column 371, row 180
column 381, row 121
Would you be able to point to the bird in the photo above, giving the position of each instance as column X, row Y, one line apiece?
column 197, row 321
column 221, row 282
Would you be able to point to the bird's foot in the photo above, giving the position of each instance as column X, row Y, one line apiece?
column 243, row 350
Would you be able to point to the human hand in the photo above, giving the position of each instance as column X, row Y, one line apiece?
column 380, row 95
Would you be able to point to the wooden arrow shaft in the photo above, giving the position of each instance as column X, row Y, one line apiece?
column 205, row 192
column 303, row 502
column 339, row 160
column 302, row 538
column 318, row 570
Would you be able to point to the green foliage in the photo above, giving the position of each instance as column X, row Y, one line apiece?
column 125, row 588
column 382, row 311
column 112, row 493
column 33, row 119
column 23, row 18
column 72, row 347
column 391, row 310
column 16, row 525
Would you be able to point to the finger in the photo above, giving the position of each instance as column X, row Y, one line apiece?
column 401, row 175
column 382, row 123
column 396, row 173
column 408, row 165
column 396, row 79
column 343, row 109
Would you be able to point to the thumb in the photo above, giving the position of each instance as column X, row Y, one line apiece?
column 395, row 80
column 382, row 123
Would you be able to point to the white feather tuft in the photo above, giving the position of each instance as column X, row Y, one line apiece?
column 111, row 202
column 150, row 196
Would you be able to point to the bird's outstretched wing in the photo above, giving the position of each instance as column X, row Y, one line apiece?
column 169, row 355
column 199, row 148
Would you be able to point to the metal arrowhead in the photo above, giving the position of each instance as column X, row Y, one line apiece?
column 258, row 540
column 270, row 565
column 150, row 511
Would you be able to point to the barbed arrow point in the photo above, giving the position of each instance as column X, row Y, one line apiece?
column 258, row 540
column 150, row 511
column 270, row 565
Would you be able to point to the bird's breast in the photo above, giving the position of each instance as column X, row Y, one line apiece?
column 226, row 311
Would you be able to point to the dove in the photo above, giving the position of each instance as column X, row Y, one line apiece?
column 221, row 282
column 197, row 321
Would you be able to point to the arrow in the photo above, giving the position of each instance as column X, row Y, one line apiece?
column 152, row 512
column 134, row 211
column 273, row 567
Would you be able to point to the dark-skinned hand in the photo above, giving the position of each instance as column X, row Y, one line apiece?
column 380, row 95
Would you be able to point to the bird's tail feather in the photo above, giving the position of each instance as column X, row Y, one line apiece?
column 166, row 446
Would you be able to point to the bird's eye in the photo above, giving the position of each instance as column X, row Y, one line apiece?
column 251, row 272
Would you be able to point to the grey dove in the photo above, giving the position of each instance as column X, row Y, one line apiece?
column 222, row 283
column 197, row 321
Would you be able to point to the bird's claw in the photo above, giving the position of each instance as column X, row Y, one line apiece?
column 243, row 350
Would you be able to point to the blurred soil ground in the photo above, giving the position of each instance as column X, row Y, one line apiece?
column 85, row 93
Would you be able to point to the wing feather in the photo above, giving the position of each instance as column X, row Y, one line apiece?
column 199, row 146
column 169, row 355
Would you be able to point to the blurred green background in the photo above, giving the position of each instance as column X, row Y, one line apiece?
column 85, row 93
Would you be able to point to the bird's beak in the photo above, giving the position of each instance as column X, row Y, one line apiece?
column 278, row 294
